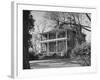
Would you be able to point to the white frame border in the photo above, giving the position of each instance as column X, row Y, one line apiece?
column 16, row 70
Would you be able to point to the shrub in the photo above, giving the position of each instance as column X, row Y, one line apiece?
column 82, row 53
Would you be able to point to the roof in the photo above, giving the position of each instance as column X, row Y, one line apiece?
column 59, row 29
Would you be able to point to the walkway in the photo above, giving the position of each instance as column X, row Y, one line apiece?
column 54, row 63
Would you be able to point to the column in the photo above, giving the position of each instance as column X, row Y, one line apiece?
column 41, row 40
column 47, row 44
column 66, row 40
column 56, row 42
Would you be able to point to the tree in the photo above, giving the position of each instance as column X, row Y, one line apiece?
column 71, row 18
column 27, row 25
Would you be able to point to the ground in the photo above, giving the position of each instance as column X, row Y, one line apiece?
column 54, row 63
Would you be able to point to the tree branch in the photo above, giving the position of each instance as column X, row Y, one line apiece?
column 88, row 17
column 83, row 26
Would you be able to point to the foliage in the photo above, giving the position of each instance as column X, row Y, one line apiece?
column 27, row 25
column 82, row 53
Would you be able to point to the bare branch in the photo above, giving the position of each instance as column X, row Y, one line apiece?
column 38, row 27
column 44, row 26
column 83, row 26
column 88, row 16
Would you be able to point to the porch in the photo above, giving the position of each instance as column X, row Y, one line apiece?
column 54, row 42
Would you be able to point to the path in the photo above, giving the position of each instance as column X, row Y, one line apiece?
column 53, row 63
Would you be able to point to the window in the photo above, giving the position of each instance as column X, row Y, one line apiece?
column 61, row 34
column 52, row 35
column 52, row 46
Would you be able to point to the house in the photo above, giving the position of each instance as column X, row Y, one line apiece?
column 58, row 40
